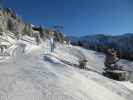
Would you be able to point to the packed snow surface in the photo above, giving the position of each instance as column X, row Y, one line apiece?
column 39, row 75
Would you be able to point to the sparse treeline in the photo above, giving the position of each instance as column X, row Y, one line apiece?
column 10, row 21
column 122, row 44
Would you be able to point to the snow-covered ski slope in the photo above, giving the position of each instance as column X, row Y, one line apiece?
column 37, row 75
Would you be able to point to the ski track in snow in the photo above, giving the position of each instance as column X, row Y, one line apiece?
column 34, row 75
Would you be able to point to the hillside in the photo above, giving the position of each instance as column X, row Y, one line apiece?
column 122, row 43
column 53, row 76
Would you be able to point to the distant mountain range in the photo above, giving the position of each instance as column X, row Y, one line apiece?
column 122, row 43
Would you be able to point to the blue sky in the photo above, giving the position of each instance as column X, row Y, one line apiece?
column 79, row 17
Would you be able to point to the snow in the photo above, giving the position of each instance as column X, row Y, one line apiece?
column 38, row 74
column 127, row 84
